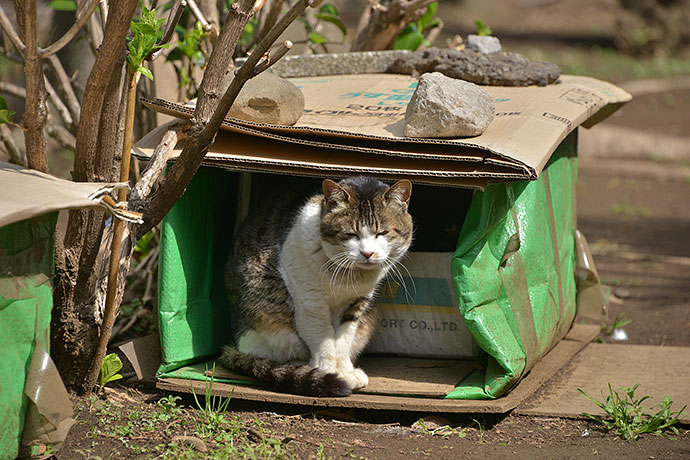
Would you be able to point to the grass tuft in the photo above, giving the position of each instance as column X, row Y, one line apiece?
column 626, row 418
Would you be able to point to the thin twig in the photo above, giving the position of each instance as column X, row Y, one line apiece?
column 61, row 135
column 271, row 58
column 60, row 106
column 156, row 164
column 12, row 89
column 194, row 8
column 82, row 16
column 16, row 154
column 64, row 85
column 104, row 12
column 11, row 32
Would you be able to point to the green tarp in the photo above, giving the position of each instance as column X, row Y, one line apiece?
column 513, row 270
column 26, row 264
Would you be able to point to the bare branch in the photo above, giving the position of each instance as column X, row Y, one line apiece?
column 104, row 12
column 12, row 89
column 154, row 169
column 271, row 58
column 35, row 106
column 10, row 31
column 64, row 86
column 16, row 154
column 61, row 135
column 82, row 16
column 210, row 112
column 60, row 106
column 383, row 20
column 173, row 19
column 194, row 8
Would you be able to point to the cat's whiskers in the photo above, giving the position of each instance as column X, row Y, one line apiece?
column 396, row 275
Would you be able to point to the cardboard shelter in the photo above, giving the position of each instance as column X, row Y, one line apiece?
column 513, row 269
column 34, row 404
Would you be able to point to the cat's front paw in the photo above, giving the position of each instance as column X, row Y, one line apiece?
column 356, row 378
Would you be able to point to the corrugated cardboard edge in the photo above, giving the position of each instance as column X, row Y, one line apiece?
column 578, row 337
column 42, row 193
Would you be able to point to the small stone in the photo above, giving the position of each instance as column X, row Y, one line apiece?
column 267, row 98
column 484, row 43
column 445, row 107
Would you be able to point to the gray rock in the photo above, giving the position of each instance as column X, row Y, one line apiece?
column 267, row 98
column 445, row 107
column 483, row 43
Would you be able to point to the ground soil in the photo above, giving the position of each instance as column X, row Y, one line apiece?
column 638, row 225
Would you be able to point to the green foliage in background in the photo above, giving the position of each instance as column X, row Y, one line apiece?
column 5, row 112
column 482, row 29
column 327, row 13
column 413, row 35
column 63, row 5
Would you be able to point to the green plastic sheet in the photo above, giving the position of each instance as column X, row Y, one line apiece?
column 514, row 272
column 26, row 264
column 193, row 313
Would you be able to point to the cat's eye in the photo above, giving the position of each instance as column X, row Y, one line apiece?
column 352, row 235
column 382, row 233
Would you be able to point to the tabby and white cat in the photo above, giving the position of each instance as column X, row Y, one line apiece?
column 304, row 291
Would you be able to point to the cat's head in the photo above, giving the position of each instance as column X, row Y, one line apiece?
column 364, row 222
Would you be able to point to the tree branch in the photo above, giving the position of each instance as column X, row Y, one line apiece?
column 16, row 154
column 383, row 20
column 35, row 107
column 82, row 16
column 64, row 85
column 11, row 32
column 60, row 106
column 210, row 112
column 61, row 135
column 12, row 89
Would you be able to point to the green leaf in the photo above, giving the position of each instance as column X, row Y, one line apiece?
column 425, row 20
column 482, row 29
column 109, row 369
column 409, row 39
column 5, row 112
column 329, row 8
column 333, row 19
column 145, row 72
column 63, row 5
column 317, row 38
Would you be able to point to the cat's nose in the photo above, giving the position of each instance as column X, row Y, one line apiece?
column 366, row 254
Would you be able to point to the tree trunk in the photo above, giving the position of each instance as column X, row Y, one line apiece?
column 380, row 24
column 76, row 321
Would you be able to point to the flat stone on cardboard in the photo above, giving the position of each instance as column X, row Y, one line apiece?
column 268, row 98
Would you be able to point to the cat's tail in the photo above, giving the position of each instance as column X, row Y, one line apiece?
column 287, row 378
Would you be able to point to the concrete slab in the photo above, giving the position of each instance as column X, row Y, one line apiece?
column 660, row 371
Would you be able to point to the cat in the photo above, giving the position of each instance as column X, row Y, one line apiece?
column 304, row 291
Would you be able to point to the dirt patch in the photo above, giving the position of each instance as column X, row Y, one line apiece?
column 140, row 423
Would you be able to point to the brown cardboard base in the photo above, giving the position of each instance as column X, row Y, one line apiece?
column 660, row 371
column 431, row 377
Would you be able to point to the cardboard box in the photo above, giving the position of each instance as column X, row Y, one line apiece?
column 519, row 233
column 418, row 315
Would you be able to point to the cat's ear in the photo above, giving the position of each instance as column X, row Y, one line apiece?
column 399, row 192
column 334, row 194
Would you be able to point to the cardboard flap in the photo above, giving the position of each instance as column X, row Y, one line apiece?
column 26, row 193
column 365, row 113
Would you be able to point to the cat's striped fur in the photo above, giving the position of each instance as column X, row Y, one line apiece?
column 303, row 290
